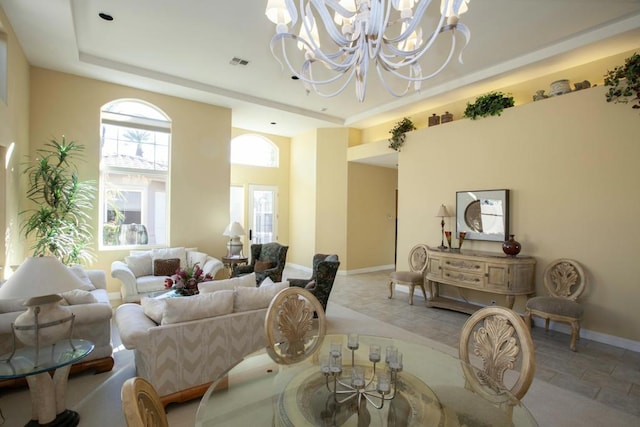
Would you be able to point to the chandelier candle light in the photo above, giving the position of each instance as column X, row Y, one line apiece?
column 359, row 386
column 385, row 33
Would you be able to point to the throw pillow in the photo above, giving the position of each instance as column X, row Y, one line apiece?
column 153, row 308
column 140, row 265
column 165, row 267
column 11, row 305
column 255, row 298
column 79, row 271
column 166, row 253
column 78, row 296
column 261, row 266
column 195, row 257
column 248, row 281
column 200, row 306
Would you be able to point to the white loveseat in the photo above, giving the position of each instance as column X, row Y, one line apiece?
column 183, row 344
column 92, row 321
column 137, row 276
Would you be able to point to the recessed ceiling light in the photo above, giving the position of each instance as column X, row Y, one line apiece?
column 105, row 16
column 273, row 123
column 295, row 78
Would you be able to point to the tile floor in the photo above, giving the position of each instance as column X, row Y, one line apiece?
column 598, row 371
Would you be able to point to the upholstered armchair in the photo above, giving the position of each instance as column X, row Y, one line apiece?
column 325, row 268
column 267, row 260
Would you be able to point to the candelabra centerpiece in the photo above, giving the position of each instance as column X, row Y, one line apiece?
column 378, row 388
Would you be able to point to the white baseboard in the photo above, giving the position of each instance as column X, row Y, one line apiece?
column 600, row 337
column 370, row 269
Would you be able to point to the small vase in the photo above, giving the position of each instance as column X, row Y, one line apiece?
column 511, row 247
column 461, row 237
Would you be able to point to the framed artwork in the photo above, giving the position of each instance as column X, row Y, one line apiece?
column 483, row 215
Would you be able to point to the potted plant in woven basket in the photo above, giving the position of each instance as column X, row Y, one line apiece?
column 490, row 104
column 624, row 82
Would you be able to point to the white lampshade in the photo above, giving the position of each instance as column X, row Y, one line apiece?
column 442, row 212
column 40, row 280
column 39, row 276
column 233, row 229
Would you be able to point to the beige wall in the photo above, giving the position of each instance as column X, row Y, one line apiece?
column 242, row 175
column 371, row 216
column 331, row 193
column 14, row 128
column 571, row 165
column 302, row 208
column 62, row 104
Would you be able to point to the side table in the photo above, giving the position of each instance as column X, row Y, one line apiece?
column 232, row 261
column 47, row 392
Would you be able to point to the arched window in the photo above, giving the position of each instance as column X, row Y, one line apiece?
column 134, row 169
column 254, row 150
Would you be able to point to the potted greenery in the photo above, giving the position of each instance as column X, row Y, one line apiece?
column 59, row 220
column 398, row 133
column 490, row 104
column 624, row 82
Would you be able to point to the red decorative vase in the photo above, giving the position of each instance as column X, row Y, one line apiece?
column 511, row 247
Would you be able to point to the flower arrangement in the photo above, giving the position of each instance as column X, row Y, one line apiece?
column 185, row 281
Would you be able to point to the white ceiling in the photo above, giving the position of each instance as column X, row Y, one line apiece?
column 184, row 48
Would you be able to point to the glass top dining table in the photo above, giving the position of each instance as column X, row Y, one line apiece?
column 260, row 392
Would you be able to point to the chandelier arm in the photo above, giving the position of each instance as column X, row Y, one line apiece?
column 326, row 58
column 419, row 51
column 427, row 77
column 376, row 27
column 293, row 12
column 386, row 86
column 368, row 395
column 327, row 21
column 414, row 22
column 314, row 84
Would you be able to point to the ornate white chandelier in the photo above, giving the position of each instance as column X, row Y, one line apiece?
column 387, row 33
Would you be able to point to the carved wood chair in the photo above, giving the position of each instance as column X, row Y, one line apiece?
column 413, row 278
column 565, row 281
column 141, row 404
column 498, row 362
column 292, row 332
column 267, row 260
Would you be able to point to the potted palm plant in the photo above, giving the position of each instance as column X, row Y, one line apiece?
column 59, row 220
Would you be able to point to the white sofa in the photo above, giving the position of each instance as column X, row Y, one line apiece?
column 193, row 340
column 136, row 272
column 92, row 320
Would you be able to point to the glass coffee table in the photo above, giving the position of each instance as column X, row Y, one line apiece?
column 260, row 392
column 47, row 392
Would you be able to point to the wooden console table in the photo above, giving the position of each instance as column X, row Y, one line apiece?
column 489, row 272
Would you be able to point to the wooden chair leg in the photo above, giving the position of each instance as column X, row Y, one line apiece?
column 411, row 289
column 424, row 292
column 527, row 318
column 391, row 286
column 546, row 324
column 574, row 335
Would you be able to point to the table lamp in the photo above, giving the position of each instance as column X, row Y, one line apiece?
column 40, row 280
column 234, row 246
column 442, row 213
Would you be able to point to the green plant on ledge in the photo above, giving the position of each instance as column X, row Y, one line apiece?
column 490, row 104
column 624, row 82
column 60, row 218
column 398, row 133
